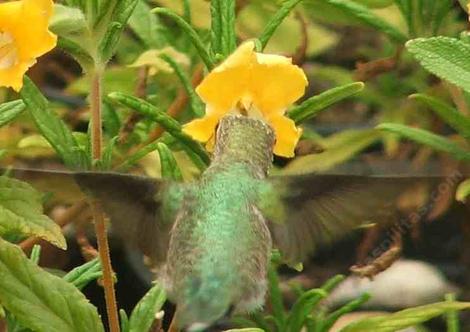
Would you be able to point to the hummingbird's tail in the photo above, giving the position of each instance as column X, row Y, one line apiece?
column 208, row 297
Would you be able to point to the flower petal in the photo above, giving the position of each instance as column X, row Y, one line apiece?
column 32, row 34
column 275, row 83
column 9, row 15
column 227, row 83
column 13, row 77
column 287, row 135
column 202, row 129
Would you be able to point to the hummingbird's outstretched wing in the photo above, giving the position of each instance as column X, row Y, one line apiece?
column 133, row 203
column 307, row 211
column 134, row 206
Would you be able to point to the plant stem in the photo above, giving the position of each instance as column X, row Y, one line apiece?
column 98, row 214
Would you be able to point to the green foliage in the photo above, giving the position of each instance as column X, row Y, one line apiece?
column 53, row 129
column 445, row 57
column 21, row 213
column 10, row 110
column 144, row 312
column 366, row 16
column 425, row 137
column 450, row 115
column 405, row 318
column 223, row 37
column 172, row 126
column 191, row 33
column 276, row 20
column 41, row 301
column 82, row 275
column 170, row 169
column 312, row 106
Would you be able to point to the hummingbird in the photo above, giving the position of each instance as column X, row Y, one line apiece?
column 212, row 239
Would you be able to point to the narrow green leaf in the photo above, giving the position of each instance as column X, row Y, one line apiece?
column 147, row 26
column 427, row 138
column 307, row 302
column 463, row 191
column 276, row 296
column 197, row 105
column 312, row 106
column 84, row 274
column 21, row 213
column 452, row 317
column 35, row 254
column 107, row 158
column 172, row 126
column 143, row 314
column 67, row 20
column 249, row 329
column 52, row 128
column 42, row 301
column 367, row 16
column 10, row 110
column 124, row 320
column 192, row 34
column 75, row 50
column 223, row 36
column 121, row 14
column 450, row 115
column 405, row 318
column 169, row 167
column 136, row 156
column 328, row 322
column 445, row 57
column 338, row 148
column 286, row 7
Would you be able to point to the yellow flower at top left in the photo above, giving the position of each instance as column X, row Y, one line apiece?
column 24, row 36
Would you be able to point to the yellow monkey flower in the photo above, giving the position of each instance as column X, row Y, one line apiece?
column 24, row 36
column 253, row 84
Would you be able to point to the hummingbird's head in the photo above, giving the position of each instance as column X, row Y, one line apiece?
column 246, row 139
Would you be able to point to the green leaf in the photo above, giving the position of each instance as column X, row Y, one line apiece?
column 275, row 294
column 312, row 106
column 124, row 320
column 106, row 161
column 197, row 105
column 191, row 33
column 41, row 301
column 143, row 314
column 10, row 110
column 405, row 318
column 450, row 115
column 75, row 50
column 331, row 319
column 286, row 7
column 147, row 26
column 121, row 14
column 21, row 212
column 169, row 167
column 172, row 126
column 67, row 20
column 463, row 191
column 52, row 128
column 248, row 329
column 307, row 302
column 223, row 36
column 338, row 148
column 445, row 57
column 367, row 16
column 84, row 274
column 427, row 138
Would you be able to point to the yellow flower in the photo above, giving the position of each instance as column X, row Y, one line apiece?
column 254, row 84
column 24, row 36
